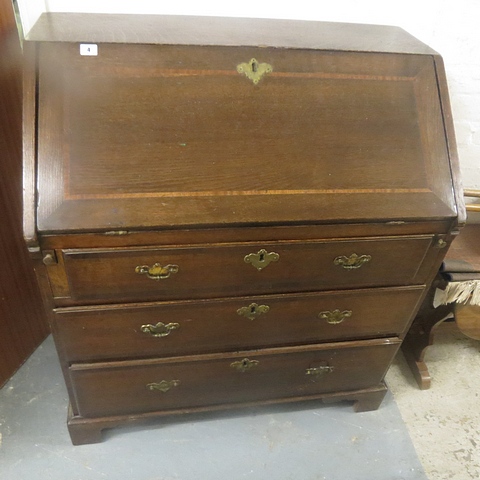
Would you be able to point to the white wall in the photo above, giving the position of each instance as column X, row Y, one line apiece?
column 452, row 27
column 30, row 10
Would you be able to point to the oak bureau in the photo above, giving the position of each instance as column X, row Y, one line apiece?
column 231, row 212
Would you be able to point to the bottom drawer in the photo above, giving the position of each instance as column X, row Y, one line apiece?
column 127, row 387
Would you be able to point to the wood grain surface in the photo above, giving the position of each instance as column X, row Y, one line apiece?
column 22, row 319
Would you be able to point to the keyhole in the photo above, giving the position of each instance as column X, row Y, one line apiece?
column 252, row 309
column 254, row 67
column 245, row 362
column 262, row 257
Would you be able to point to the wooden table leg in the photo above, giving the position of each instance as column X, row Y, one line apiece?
column 420, row 335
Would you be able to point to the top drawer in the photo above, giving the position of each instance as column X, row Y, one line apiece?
column 200, row 271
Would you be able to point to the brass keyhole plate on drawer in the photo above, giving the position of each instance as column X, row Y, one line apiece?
column 253, row 311
column 319, row 371
column 261, row 259
column 254, row 70
column 244, row 365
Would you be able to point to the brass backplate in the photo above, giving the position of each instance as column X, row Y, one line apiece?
column 160, row 329
column 335, row 316
column 352, row 262
column 156, row 271
column 164, row 385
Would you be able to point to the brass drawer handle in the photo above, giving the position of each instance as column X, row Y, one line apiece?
column 253, row 70
column 352, row 262
column 244, row 365
column 253, row 311
column 156, row 272
column 319, row 371
column 163, row 386
column 261, row 259
column 160, row 329
column 335, row 317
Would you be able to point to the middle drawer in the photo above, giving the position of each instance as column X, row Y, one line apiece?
column 191, row 327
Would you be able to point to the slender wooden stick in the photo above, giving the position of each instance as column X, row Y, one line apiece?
column 471, row 193
column 472, row 207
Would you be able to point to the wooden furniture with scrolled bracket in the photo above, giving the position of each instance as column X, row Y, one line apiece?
column 461, row 263
column 232, row 212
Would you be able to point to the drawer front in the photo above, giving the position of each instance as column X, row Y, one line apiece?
column 117, row 275
column 144, row 386
column 181, row 328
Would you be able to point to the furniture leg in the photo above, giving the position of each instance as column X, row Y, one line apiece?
column 420, row 335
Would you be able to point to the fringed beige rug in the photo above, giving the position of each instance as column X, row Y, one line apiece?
column 467, row 292
column 462, row 290
column 463, row 285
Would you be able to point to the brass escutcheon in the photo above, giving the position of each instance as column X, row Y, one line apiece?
column 254, row 70
column 156, row 272
column 164, row 385
column 253, row 311
column 261, row 259
column 441, row 243
column 160, row 329
column 352, row 262
column 49, row 258
column 244, row 365
column 334, row 317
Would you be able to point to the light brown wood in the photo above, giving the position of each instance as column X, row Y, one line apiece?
column 467, row 318
column 473, row 208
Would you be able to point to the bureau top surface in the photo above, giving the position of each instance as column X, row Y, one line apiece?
column 192, row 131
column 190, row 30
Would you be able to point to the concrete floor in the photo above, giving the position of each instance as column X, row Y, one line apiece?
column 415, row 435
column 444, row 421
column 309, row 442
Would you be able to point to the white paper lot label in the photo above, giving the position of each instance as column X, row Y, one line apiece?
column 89, row 49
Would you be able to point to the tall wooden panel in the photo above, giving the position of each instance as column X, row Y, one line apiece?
column 22, row 321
